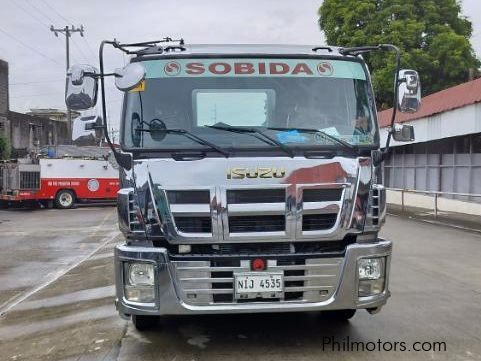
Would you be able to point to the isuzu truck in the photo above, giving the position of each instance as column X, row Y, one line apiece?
column 250, row 177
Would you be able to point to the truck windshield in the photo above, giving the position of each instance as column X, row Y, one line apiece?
column 278, row 97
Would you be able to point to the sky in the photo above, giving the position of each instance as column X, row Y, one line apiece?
column 37, row 58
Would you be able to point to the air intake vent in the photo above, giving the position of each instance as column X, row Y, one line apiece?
column 29, row 180
column 193, row 224
column 375, row 206
column 256, row 196
column 273, row 223
column 188, row 197
column 318, row 222
column 134, row 224
column 322, row 195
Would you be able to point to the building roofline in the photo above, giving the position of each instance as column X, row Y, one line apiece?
column 445, row 100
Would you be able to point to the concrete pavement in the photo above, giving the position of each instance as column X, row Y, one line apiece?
column 436, row 297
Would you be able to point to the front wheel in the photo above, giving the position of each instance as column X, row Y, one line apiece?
column 339, row 315
column 143, row 323
column 65, row 199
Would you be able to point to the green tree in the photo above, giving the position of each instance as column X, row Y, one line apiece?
column 432, row 35
column 4, row 147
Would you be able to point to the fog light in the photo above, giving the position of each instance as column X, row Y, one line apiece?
column 371, row 268
column 371, row 287
column 139, row 282
column 371, row 276
column 141, row 294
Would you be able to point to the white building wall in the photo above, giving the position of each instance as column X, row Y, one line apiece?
column 461, row 121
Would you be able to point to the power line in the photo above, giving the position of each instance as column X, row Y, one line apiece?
column 37, row 19
column 56, row 12
column 40, row 12
column 80, row 50
column 68, row 32
column 29, row 47
column 94, row 54
column 77, row 46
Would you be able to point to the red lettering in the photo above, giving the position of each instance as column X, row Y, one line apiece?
column 195, row 68
column 262, row 68
column 219, row 68
column 243, row 68
column 278, row 68
column 302, row 68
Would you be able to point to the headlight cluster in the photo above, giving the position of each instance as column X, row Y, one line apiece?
column 371, row 276
column 139, row 282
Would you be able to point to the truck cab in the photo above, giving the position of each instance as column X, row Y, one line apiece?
column 251, row 182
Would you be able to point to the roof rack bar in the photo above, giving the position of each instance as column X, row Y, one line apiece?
column 356, row 50
column 145, row 45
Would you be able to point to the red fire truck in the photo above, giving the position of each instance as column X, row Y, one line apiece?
column 59, row 182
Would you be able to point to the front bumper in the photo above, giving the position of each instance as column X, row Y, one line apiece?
column 169, row 302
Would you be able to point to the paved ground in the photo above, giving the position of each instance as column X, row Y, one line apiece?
column 435, row 282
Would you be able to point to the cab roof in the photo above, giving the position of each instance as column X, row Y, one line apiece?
column 242, row 49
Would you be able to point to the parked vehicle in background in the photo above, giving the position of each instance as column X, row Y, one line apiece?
column 59, row 181
column 250, row 178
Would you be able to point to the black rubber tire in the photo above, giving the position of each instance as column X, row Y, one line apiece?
column 143, row 323
column 65, row 199
column 339, row 315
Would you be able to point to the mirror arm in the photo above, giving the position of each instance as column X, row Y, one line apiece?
column 397, row 81
column 124, row 160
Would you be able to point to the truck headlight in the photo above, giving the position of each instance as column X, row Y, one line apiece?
column 139, row 279
column 371, row 275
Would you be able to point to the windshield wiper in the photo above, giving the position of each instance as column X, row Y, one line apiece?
column 317, row 131
column 255, row 133
column 189, row 135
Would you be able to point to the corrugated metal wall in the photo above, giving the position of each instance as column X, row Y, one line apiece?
column 446, row 165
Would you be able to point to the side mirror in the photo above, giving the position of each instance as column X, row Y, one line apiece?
column 403, row 133
column 409, row 91
column 92, row 122
column 81, row 88
column 129, row 77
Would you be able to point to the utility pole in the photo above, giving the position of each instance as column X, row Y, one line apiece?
column 68, row 31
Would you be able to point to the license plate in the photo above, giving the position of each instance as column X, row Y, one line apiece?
column 258, row 284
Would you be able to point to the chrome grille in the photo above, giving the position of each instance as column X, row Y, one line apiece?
column 255, row 211
column 134, row 224
column 317, row 222
column 242, row 196
column 257, row 223
column 212, row 282
column 191, row 211
column 320, row 210
column 255, row 214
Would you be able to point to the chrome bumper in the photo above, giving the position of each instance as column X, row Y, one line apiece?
column 168, row 300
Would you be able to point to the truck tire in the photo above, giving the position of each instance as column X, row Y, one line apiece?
column 64, row 199
column 143, row 323
column 339, row 315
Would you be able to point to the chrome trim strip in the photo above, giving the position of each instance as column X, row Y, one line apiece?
column 256, row 209
column 190, row 208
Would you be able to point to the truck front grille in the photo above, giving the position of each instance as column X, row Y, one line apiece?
column 318, row 222
column 212, row 282
column 255, row 213
column 271, row 223
column 193, row 224
column 243, row 196
column 191, row 211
